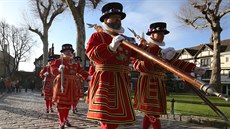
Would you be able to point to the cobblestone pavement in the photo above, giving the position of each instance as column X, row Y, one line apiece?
column 26, row 110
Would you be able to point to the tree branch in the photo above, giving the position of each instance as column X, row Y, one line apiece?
column 224, row 12
column 35, row 31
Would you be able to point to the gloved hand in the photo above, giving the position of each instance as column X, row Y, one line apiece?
column 199, row 70
column 168, row 53
column 46, row 74
column 116, row 43
column 88, row 78
column 86, row 92
column 61, row 67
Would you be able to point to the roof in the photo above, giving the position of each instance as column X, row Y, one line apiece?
column 193, row 51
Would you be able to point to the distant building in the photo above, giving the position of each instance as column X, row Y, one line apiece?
column 3, row 69
column 202, row 56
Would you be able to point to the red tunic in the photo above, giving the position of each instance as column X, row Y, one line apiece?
column 80, row 86
column 71, row 90
column 109, row 92
column 47, row 82
column 150, row 92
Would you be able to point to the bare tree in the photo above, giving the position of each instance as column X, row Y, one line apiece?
column 16, row 44
column 77, row 9
column 207, row 14
column 47, row 11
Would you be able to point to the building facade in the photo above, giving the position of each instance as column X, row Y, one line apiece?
column 202, row 56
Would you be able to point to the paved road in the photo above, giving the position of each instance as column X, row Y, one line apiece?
column 26, row 110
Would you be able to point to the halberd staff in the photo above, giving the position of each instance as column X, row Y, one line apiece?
column 62, row 74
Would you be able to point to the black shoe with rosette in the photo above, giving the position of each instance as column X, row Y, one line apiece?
column 67, row 123
column 62, row 126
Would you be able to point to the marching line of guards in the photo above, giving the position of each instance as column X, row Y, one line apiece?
column 109, row 99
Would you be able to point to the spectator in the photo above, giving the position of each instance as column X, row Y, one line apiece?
column 2, row 85
column 32, row 85
column 17, row 86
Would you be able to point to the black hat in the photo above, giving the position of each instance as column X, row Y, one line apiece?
column 157, row 27
column 112, row 8
column 50, row 58
column 78, row 58
column 67, row 47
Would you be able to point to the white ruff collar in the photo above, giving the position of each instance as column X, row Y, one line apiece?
column 120, row 31
column 151, row 41
column 67, row 56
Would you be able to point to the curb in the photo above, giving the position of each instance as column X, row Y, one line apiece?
column 199, row 120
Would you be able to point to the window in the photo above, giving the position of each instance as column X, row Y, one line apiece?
column 226, row 59
column 205, row 62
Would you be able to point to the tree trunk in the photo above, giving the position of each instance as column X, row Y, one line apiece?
column 216, row 67
column 45, row 42
column 80, row 39
column 78, row 15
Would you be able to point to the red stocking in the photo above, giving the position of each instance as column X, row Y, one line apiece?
column 47, row 104
column 155, row 121
column 61, row 115
column 74, row 106
column 146, row 123
column 50, row 104
column 108, row 126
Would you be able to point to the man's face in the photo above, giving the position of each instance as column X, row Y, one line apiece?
column 68, row 53
column 158, row 36
column 113, row 21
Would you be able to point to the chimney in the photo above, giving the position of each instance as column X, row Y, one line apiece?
column 52, row 49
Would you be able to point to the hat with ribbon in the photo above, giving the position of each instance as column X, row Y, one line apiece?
column 67, row 47
column 53, row 57
column 157, row 27
column 78, row 58
column 112, row 8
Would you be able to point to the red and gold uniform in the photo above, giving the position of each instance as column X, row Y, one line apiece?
column 47, row 86
column 72, row 90
column 91, row 72
column 150, row 91
column 109, row 92
column 80, row 90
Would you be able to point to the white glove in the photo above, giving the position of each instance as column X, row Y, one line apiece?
column 168, row 53
column 86, row 92
column 199, row 70
column 88, row 78
column 46, row 74
column 61, row 67
column 116, row 43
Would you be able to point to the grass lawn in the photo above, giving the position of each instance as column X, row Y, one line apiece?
column 188, row 108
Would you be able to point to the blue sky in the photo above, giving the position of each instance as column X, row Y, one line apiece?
column 140, row 14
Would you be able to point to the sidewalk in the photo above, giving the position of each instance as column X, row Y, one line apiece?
column 26, row 110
